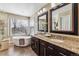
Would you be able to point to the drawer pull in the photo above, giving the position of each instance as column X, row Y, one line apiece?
column 50, row 48
column 42, row 44
column 62, row 54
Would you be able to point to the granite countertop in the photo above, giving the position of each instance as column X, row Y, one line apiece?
column 71, row 45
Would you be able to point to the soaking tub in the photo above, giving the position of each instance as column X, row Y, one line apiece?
column 21, row 40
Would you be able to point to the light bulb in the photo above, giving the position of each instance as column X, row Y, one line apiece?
column 53, row 5
column 44, row 9
column 40, row 11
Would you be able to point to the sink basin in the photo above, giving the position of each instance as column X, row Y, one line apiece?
column 48, row 35
column 57, row 40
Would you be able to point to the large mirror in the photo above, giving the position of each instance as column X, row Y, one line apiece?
column 43, row 22
column 63, row 19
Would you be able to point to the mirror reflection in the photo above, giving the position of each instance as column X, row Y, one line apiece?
column 42, row 22
column 62, row 19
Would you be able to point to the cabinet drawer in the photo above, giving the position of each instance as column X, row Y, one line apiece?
column 51, row 46
column 50, row 51
column 59, row 51
column 43, row 43
column 65, row 52
column 34, row 38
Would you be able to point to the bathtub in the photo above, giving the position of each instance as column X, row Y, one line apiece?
column 21, row 40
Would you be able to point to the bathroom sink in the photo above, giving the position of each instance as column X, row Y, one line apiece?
column 57, row 40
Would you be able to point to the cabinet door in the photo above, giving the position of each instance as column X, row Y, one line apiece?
column 65, row 52
column 32, row 43
column 42, row 50
column 35, row 45
column 51, row 51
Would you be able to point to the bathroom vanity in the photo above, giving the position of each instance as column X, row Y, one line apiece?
column 45, row 46
column 64, row 29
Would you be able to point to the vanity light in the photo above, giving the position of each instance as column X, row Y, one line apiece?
column 44, row 9
column 53, row 5
column 41, row 11
column 60, row 4
column 38, row 13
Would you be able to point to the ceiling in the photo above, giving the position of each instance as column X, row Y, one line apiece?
column 24, row 9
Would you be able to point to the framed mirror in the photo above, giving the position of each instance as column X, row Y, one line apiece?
column 64, row 19
column 43, row 22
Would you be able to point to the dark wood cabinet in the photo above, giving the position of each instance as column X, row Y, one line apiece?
column 54, row 50
column 43, row 48
column 65, row 52
column 51, row 51
column 35, row 45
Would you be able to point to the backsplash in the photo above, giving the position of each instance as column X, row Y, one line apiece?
column 62, row 36
column 65, row 37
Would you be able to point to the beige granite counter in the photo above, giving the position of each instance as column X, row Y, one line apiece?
column 71, row 44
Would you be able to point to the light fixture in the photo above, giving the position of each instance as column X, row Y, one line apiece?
column 38, row 13
column 41, row 11
column 53, row 5
column 44, row 9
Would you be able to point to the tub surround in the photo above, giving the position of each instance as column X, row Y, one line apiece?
column 70, row 43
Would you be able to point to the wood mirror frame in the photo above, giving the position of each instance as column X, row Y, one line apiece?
column 46, row 13
column 74, row 19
